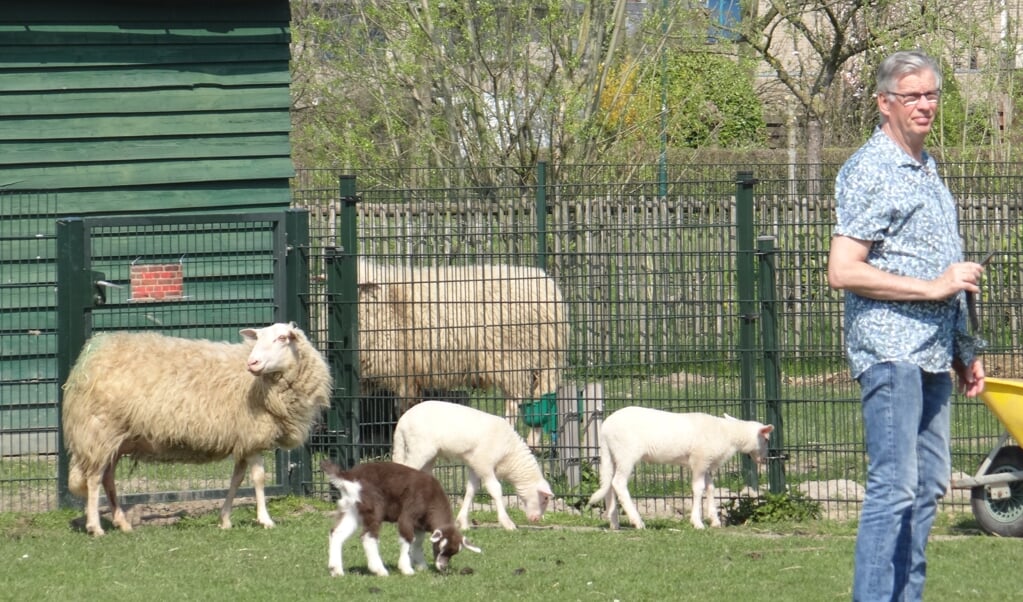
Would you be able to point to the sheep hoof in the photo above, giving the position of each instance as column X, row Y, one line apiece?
column 225, row 524
column 96, row 531
column 336, row 571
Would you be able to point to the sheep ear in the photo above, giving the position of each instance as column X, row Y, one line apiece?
column 249, row 334
column 765, row 431
column 468, row 546
column 728, row 417
column 436, row 536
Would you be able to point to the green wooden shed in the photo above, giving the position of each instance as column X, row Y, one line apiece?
column 123, row 107
column 144, row 105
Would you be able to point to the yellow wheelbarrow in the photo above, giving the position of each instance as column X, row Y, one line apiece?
column 996, row 491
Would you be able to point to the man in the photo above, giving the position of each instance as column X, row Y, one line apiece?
column 897, row 254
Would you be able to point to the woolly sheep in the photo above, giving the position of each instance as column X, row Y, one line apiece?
column 441, row 328
column 167, row 399
column 488, row 445
column 700, row 441
column 372, row 494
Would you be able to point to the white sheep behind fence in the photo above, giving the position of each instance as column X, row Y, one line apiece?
column 168, row 399
column 489, row 446
column 700, row 441
column 441, row 328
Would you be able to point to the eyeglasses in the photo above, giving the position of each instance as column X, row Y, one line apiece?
column 912, row 99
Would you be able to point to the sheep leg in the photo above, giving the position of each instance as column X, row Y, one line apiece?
column 418, row 557
column 405, row 556
column 258, row 476
column 611, row 502
column 374, row 563
column 712, row 504
column 344, row 526
column 119, row 519
column 236, row 480
column 511, row 411
column 472, row 484
column 494, row 489
column 620, row 485
column 92, row 524
column 699, row 484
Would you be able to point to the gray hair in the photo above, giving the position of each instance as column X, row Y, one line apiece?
column 903, row 63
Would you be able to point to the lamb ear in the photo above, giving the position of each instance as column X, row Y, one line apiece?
column 436, row 536
column 545, row 489
column 766, row 430
column 728, row 417
column 249, row 334
column 468, row 546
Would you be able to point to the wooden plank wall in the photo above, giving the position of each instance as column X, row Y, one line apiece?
column 146, row 106
column 126, row 107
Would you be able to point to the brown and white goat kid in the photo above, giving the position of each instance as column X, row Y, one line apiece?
column 379, row 492
column 700, row 441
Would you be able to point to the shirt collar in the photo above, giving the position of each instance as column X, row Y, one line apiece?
column 895, row 153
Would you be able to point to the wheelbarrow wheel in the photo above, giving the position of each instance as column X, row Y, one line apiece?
column 1001, row 516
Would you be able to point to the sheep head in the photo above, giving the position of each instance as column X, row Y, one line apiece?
column 536, row 502
column 274, row 348
column 447, row 542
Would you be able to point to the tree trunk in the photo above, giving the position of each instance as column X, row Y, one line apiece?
column 814, row 155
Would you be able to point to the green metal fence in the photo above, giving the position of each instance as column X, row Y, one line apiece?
column 655, row 310
column 662, row 315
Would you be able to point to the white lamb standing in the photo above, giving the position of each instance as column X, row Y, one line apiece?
column 168, row 399
column 441, row 328
column 700, row 441
column 488, row 445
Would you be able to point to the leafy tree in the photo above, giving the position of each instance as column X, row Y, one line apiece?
column 813, row 46
column 710, row 102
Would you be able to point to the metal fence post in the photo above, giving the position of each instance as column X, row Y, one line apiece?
column 74, row 298
column 343, row 329
column 746, row 291
column 296, row 463
column 772, row 366
column 541, row 215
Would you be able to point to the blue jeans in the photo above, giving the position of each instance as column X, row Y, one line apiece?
column 906, row 424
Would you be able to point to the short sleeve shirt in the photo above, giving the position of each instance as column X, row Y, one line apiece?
column 902, row 206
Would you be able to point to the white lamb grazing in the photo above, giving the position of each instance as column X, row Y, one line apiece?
column 700, row 441
column 487, row 444
column 169, row 399
column 379, row 492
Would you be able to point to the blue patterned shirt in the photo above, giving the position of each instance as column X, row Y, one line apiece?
column 884, row 195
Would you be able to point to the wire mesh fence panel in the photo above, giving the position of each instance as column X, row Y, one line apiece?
column 641, row 274
column 647, row 273
column 28, row 342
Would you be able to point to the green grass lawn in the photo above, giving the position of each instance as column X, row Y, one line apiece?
column 43, row 557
